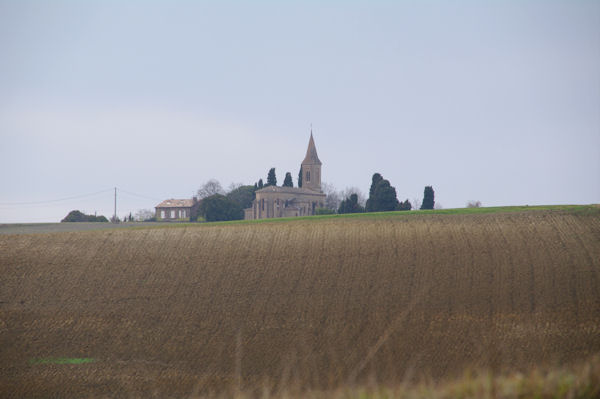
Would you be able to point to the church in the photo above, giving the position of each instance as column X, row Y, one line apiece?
column 277, row 202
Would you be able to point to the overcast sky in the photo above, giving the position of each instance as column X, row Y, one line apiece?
column 497, row 101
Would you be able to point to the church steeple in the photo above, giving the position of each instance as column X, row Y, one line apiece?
column 311, row 167
column 311, row 157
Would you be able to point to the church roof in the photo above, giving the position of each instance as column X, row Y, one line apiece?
column 311, row 153
column 288, row 190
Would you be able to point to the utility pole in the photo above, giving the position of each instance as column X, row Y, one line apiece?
column 115, row 215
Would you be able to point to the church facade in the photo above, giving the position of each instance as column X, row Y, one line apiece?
column 277, row 202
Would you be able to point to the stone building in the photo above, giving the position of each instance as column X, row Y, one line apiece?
column 177, row 209
column 276, row 202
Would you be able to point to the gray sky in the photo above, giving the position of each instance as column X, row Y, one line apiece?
column 491, row 101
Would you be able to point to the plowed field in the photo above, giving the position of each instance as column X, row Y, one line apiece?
column 313, row 303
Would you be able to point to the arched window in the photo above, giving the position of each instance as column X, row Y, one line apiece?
column 308, row 175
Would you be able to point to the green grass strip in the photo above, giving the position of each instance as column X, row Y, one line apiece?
column 587, row 210
column 63, row 360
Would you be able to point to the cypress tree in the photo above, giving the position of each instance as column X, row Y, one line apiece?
column 287, row 182
column 300, row 177
column 260, row 184
column 342, row 207
column 384, row 197
column 271, row 178
column 374, row 181
column 370, row 201
column 428, row 198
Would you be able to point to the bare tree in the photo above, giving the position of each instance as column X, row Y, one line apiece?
column 438, row 205
column 474, row 204
column 209, row 188
column 416, row 203
column 332, row 199
column 143, row 215
column 234, row 186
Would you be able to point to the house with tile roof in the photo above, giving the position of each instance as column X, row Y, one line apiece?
column 177, row 209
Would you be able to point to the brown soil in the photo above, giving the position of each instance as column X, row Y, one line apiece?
column 170, row 312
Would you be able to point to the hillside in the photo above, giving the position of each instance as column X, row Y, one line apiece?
column 316, row 303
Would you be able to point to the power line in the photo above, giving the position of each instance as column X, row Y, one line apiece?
column 138, row 195
column 16, row 205
column 55, row 200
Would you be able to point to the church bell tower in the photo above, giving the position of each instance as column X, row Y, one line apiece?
column 311, row 167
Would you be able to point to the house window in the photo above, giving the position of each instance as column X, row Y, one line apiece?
column 172, row 214
column 183, row 214
column 162, row 214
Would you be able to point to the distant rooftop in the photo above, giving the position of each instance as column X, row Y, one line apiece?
column 176, row 203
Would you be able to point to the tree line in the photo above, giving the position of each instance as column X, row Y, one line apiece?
column 382, row 198
column 219, row 205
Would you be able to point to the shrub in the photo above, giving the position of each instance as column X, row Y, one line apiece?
column 78, row 216
column 474, row 204
column 220, row 208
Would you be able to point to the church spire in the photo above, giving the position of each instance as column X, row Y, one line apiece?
column 311, row 153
